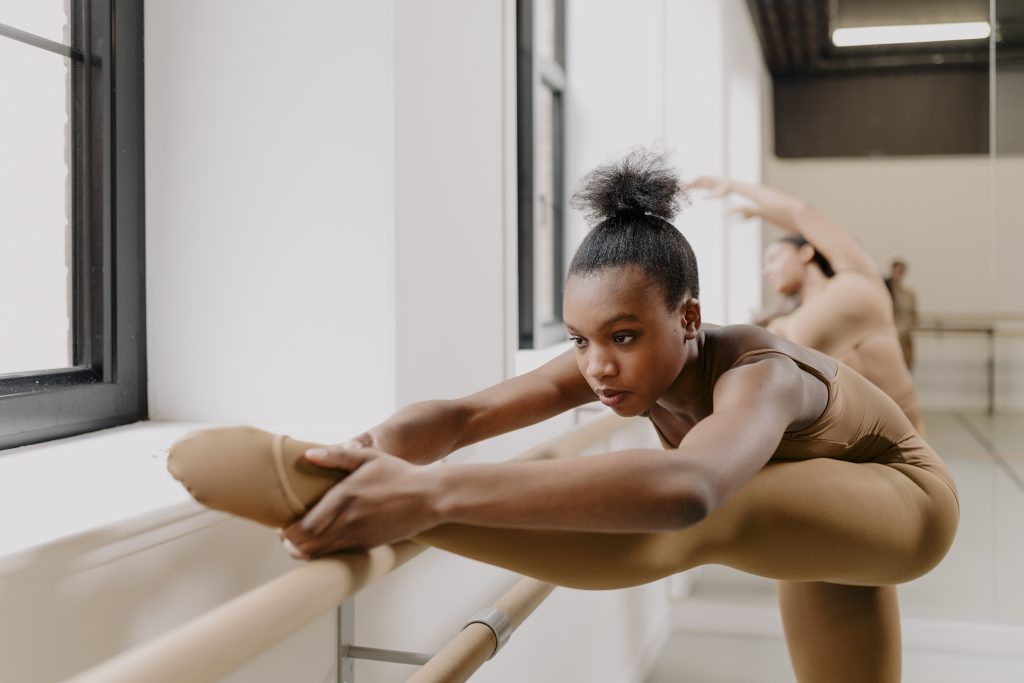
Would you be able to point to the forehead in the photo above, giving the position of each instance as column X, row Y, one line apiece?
column 776, row 248
column 596, row 298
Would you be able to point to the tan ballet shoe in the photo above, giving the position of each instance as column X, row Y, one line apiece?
column 250, row 473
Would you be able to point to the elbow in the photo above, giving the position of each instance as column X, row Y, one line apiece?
column 798, row 210
column 692, row 503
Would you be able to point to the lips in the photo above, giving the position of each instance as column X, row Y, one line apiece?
column 611, row 397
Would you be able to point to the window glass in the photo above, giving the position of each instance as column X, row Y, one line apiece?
column 44, row 18
column 546, row 26
column 544, row 184
column 35, row 177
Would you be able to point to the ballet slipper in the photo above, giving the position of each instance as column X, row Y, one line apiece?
column 250, row 473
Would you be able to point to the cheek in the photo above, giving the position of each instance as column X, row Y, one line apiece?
column 663, row 365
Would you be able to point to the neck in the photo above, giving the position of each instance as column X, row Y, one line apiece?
column 814, row 283
column 689, row 385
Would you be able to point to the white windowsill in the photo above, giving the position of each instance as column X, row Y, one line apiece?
column 103, row 491
column 61, row 490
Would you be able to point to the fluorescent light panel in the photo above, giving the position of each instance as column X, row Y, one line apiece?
column 910, row 33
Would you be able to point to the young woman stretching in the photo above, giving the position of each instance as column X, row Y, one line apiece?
column 845, row 309
column 782, row 461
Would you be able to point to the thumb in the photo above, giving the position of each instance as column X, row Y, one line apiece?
column 346, row 457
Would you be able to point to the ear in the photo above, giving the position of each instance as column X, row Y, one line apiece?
column 689, row 316
column 806, row 253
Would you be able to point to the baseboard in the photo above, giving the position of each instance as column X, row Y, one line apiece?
column 697, row 615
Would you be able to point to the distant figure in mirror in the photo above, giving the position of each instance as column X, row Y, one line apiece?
column 904, row 308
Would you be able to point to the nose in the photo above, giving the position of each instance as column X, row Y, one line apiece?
column 600, row 364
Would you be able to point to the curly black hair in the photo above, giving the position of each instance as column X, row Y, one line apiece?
column 631, row 201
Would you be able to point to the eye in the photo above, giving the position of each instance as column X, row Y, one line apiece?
column 577, row 341
column 623, row 338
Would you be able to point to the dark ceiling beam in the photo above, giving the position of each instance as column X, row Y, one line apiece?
column 815, row 18
column 780, row 61
column 795, row 39
column 793, row 33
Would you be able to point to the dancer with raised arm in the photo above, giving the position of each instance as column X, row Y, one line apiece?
column 845, row 309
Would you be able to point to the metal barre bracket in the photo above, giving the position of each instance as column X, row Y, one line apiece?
column 495, row 620
column 377, row 654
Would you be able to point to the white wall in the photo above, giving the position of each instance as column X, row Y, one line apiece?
column 685, row 75
column 270, row 211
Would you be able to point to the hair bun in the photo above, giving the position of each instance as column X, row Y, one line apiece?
column 640, row 183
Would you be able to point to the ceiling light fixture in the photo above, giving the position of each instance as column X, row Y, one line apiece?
column 910, row 33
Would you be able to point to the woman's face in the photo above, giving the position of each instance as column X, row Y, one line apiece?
column 784, row 267
column 629, row 346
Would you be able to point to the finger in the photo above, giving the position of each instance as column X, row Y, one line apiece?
column 318, row 547
column 294, row 533
column 363, row 440
column 348, row 543
column 325, row 512
column 337, row 457
column 294, row 551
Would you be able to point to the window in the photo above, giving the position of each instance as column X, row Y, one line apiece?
column 541, row 151
column 72, row 299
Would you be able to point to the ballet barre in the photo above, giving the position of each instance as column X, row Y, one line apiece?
column 484, row 635
column 216, row 643
column 985, row 326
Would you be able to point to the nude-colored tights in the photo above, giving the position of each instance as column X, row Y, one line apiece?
column 811, row 524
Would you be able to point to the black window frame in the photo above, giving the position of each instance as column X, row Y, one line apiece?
column 533, row 72
column 106, row 385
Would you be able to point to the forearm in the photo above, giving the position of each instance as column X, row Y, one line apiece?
column 773, row 205
column 798, row 216
column 421, row 432
column 628, row 491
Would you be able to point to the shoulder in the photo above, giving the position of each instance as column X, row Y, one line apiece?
column 739, row 339
column 765, row 381
column 856, row 297
column 733, row 346
column 856, row 281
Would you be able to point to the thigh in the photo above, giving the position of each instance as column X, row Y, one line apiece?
column 863, row 524
column 810, row 520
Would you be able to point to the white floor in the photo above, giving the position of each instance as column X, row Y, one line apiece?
column 962, row 622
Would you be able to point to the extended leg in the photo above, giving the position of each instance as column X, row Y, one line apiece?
column 841, row 634
column 809, row 520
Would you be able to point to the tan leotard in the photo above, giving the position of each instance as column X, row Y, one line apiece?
column 852, row 321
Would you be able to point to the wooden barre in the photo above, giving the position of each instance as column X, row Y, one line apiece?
column 214, row 644
column 475, row 644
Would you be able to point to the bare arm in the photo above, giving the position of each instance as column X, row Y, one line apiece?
column 797, row 216
column 385, row 499
column 426, row 431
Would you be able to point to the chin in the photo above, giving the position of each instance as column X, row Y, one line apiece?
column 630, row 410
column 787, row 288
